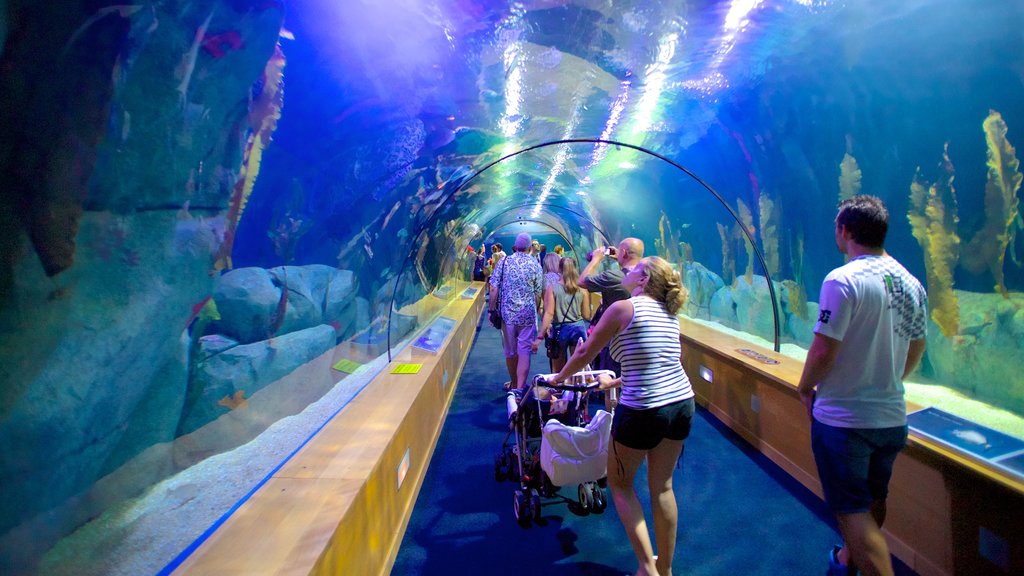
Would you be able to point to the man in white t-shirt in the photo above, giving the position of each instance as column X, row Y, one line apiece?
column 868, row 338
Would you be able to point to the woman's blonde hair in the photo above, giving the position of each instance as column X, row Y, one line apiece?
column 551, row 262
column 570, row 276
column 664, row 284
column 559, row 250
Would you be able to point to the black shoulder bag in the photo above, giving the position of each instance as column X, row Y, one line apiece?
column 553, row 343
column 494, row 315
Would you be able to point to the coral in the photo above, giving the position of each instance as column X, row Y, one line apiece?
column 747, row 219
column 849, row 177
column 987, row 247
column 797, row 298
column 769, row 233
column 728, row 259
column 686, row 251
column 933, row 221
column 264, row 113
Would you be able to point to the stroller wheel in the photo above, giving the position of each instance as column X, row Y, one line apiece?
column 547, row 489
column 586, row 497
column 521, row 507
column 600, row 503
column 500, row 467
column 535, row 505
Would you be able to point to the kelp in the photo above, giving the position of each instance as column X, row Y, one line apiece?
column 747, row 220
column 769, row 233
column 987, row 248
column 728, row 258
column 849, row 177
column 933, row 222
column 264, row 113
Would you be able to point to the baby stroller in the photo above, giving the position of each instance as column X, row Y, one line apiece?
column 535, row 455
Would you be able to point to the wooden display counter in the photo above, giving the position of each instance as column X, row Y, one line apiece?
column 341, row 504
column 948, row 513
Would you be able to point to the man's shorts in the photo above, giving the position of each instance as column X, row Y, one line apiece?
column 644, row 429
column 518, row 340
column 855, row 464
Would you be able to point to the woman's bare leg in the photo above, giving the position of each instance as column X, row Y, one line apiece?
column 623, row 463
column 661, row 461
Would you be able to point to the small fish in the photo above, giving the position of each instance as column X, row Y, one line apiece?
column 387, row 218
column 235, row 402
column 369, row 250
column 218, row 45
column 196, row 308
column 287, row 34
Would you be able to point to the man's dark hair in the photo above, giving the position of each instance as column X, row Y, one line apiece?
column 498, row 244
column 866, row 219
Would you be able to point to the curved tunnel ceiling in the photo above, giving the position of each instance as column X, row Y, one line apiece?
column 390, row 108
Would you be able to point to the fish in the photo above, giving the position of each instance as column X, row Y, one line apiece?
column 387, row 218
column 235, row 401
column 218, row 45
column 287, row 34
column 196, row 308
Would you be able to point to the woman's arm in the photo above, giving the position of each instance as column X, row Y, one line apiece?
column 585, row 310
column 549, row 313
column 614, row 319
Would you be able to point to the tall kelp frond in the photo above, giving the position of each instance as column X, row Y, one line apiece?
column 849, row 177
column 769, row 215
column 748, row 222
column 987, row 249
column 933, row 221
column 264, row 113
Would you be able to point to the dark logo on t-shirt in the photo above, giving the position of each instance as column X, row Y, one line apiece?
column 824, row 315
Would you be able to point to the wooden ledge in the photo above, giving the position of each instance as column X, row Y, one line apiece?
column 341, row 504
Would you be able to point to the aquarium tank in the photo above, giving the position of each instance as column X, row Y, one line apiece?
column 220, row 219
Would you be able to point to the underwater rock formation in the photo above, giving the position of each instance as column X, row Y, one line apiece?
column 233, row 372
column 703, row 284
column 933, row 221
column 248, row 300
column 754, row 306
column 987, row 248
column 75, row 404
column 984, row 359
column 54, row 102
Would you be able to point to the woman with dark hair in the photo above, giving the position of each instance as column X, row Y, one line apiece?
column 656, row 406
column 566, row 309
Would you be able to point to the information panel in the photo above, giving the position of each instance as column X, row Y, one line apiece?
column 1000, row 449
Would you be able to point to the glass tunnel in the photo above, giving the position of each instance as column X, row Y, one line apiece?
column 223, row 221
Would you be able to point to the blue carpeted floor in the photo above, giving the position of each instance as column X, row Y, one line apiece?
column 739, row 513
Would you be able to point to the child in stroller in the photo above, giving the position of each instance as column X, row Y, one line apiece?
column 554, row 437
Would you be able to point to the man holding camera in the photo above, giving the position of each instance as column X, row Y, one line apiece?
column 609, row 282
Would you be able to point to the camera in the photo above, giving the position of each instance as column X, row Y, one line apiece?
column 611, row 251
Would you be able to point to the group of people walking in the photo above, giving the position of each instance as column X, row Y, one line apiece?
column 868, row 338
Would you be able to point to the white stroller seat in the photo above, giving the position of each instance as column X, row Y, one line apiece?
column 574, row 455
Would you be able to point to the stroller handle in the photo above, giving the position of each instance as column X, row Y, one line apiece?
column 581, row 381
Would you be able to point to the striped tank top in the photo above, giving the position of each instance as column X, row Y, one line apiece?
column 648, row 350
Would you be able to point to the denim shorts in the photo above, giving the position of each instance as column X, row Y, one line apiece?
column 855, row 464
column 643, row 429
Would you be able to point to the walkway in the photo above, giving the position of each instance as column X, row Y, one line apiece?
column 739, row 513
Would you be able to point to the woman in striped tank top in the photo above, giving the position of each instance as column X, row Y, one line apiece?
column 656, row 408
